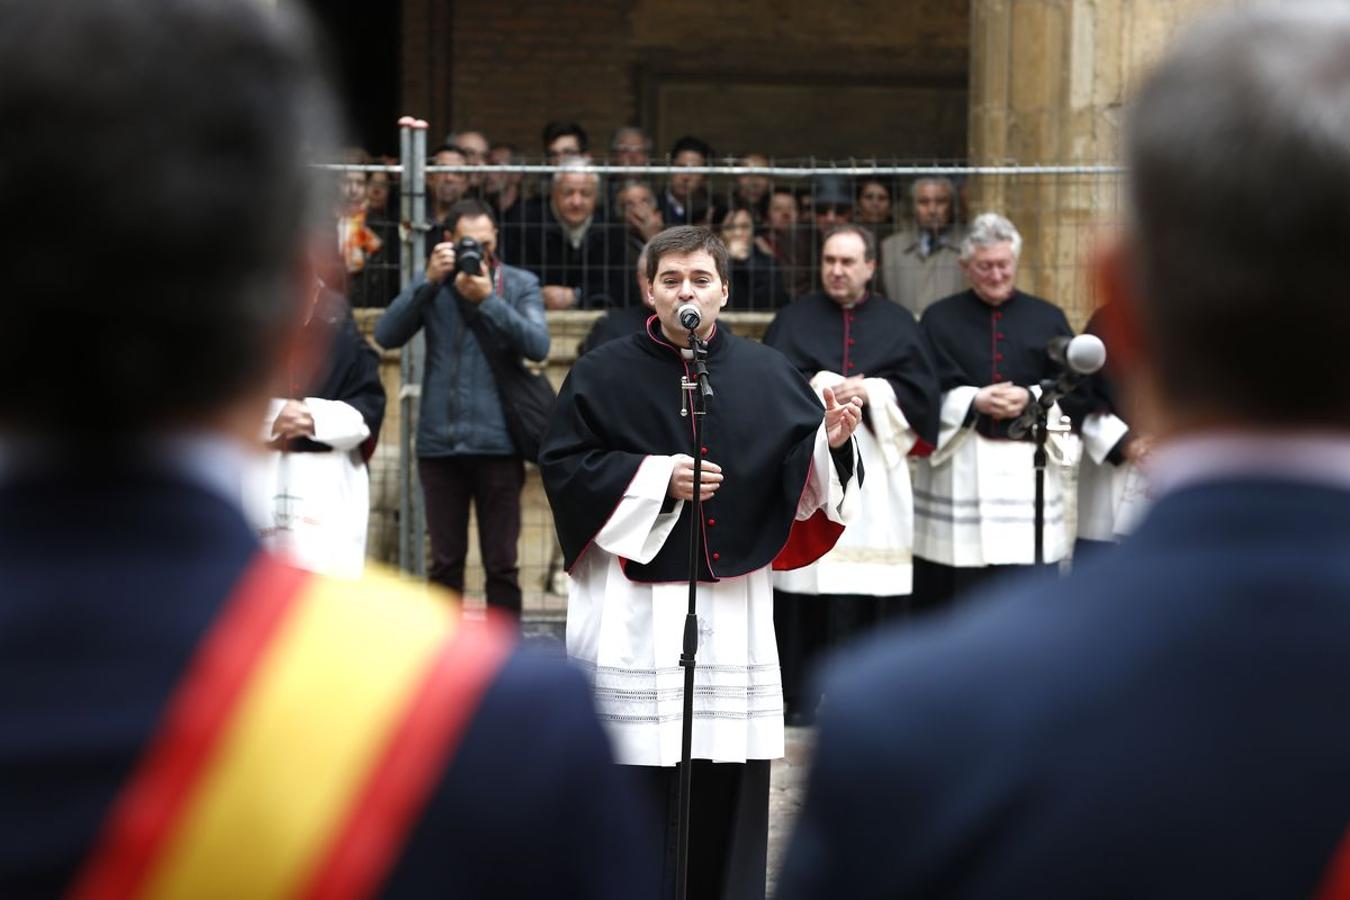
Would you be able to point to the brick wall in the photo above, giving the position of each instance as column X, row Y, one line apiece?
column 701, row 66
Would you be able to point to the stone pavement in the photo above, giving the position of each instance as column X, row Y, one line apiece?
column 786, row 784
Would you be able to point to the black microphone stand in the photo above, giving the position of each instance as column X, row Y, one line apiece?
column 696, row 394
column 1035, row 418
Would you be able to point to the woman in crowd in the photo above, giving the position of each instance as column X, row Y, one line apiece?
column 756, row 280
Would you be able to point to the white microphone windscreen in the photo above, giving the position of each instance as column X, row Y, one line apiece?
column 1085, row 354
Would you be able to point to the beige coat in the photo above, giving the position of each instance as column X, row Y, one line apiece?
column 914, row 281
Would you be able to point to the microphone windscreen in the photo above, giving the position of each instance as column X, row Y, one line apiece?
column 689, row 316
column 1085, row 354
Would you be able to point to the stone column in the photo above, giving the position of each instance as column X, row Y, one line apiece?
column 1048, row 82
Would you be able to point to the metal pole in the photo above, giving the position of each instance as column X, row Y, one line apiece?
column 406, row 257
column 412, row 210
column 789, row 171
column 696, row 396
column 416, row 349
column 1051, row 391
column 1039, row 460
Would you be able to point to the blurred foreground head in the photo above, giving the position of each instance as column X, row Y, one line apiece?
column 143, row 290
column 1232, row 271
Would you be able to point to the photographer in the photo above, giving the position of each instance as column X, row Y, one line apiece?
column 464, row 450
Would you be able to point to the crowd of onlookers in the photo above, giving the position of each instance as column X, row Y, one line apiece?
column 581, row 232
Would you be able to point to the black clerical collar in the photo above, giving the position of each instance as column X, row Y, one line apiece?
column 658, row 337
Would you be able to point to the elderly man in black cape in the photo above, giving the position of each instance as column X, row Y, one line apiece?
column 848, row 338
column 974, row 513
column 618, row 469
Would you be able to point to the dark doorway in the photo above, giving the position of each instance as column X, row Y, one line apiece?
column 363, row 40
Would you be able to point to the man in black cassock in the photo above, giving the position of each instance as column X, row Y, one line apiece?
column 849, row 338
column 973, row 496
column 618, row 468
column 310, row 496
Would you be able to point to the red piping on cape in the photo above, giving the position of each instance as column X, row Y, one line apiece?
column 843, row 314
column 993, row 345
column 590, row 543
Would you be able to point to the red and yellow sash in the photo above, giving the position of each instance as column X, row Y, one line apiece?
column 298, row 751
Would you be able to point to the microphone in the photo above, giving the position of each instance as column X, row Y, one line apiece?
column 1082, row 355
column 691, row 318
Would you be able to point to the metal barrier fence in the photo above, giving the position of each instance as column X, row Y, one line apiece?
column 580, row 224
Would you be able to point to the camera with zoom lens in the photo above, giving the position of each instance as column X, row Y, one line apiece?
column 469, row 257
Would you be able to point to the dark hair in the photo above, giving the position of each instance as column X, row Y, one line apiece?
column 555, row 130
column 173, row 301
column 689, row 142
column 508, row 147
column 627, row 185
column 1238, row 149
column 735, row 206
column 871, row 179
column 448, row 148
column 687, row 239
column 869, row 240
column 469, row 208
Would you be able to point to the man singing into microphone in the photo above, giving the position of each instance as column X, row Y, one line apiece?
column 778, row 482
column 973, row 496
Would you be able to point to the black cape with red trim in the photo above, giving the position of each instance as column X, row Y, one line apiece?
column 875, row 338
column 621, row 402
column 976, row 344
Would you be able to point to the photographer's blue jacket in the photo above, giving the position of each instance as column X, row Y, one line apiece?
column 461, row 413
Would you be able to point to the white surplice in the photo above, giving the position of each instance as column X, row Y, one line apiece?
column 314, row 508
column 629, row 635
column 1111, row 498
column 973, row 497
column 873, row 557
